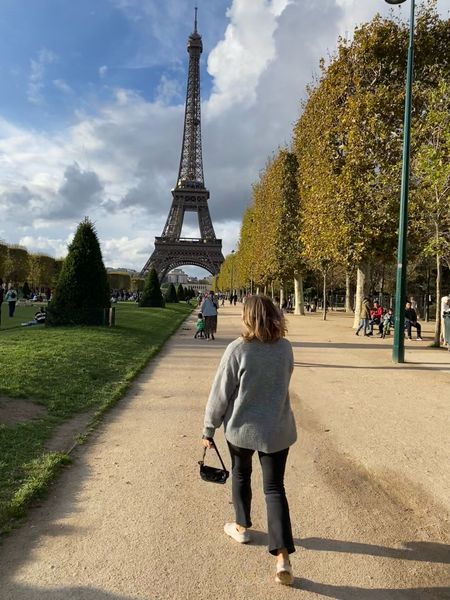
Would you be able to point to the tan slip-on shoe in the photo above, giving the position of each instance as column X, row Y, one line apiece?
column 241, row 537
column 284, row 573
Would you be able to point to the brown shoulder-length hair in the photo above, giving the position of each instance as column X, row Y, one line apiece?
column 262, row 320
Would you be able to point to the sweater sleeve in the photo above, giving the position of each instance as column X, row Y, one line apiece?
column 222, row 392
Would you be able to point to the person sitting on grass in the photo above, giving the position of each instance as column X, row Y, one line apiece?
column 39, row 318
column 200, row 327
column 411, row 321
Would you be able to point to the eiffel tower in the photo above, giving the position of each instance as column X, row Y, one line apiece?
column 190, row 194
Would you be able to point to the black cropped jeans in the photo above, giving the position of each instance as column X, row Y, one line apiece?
column 273, row 468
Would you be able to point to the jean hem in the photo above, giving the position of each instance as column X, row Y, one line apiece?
column 274, row 551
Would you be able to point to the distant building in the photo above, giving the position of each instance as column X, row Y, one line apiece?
column 200, row 287
column 177, row 276
column 130, row 272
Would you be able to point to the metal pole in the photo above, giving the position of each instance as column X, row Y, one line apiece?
column 398, row 350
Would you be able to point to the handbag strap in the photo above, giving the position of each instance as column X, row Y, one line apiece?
column 218, row 454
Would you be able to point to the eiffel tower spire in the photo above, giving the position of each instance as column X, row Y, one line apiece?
column 189, row 194
column 190, row 173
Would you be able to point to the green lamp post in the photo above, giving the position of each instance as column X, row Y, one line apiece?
column 398, row 350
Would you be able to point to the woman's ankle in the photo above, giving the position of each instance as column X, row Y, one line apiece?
column 282, row 554
column 241, row 528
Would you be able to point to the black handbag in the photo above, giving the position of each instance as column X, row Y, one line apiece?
column 212, row 474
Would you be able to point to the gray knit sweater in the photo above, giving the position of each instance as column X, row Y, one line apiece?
column 250, row 396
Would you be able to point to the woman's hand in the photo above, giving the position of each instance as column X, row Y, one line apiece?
column 208, row 443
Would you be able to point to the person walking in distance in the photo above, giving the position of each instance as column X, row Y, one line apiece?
column 11, row 299
column 209, row 312
column 250, row 397
column 445, row 309
column 364, row 316
column 2, row 294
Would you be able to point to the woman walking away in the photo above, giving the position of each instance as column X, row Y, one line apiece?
column 250, row 396
column 209, row 312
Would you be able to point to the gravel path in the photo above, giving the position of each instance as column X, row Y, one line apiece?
column 368, row 484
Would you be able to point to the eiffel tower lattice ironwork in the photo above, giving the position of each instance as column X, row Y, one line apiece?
column 190, row 194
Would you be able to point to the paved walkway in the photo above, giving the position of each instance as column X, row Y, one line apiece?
column 368, row 484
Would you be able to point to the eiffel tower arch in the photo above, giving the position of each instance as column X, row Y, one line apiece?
column 190, row 193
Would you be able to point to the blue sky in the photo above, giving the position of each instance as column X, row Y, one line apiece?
column 88, row 49
column 91, row 109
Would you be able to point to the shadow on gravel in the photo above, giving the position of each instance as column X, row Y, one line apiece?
column 330, row 344
column 431, row 552
column 418, row 551
column 75, row 593
column 407, row 367
column 345, row 592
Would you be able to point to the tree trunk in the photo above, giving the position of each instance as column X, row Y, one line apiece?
column 271, row 291
column 257, row 290
column 427, row 299
column 362, row 281
column 437, row 328
column 324, row 295
column 383, row 275
column 348, row 293
column 299, row 300
column 281, row 294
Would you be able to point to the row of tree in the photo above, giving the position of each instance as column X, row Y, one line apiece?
column 331, row 201
column 121, row 280
column 19, row 266
column 153, row 296
column 82, row 287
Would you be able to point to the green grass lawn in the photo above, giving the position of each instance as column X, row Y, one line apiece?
column 23, row 314
column 67, row 370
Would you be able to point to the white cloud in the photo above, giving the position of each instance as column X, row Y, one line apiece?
column 355, row 12
column 37, row 74
column 62, row 86
column 168, row 90
column 55, row 247
column 237, row 61
column 123, row 251
column 103, row 71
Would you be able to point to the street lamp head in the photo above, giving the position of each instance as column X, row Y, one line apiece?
column 395, row 1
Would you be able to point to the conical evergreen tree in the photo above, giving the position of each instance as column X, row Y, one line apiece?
column 171, row 294
column 181, row 294
column 152, row 296
column 82, row 291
